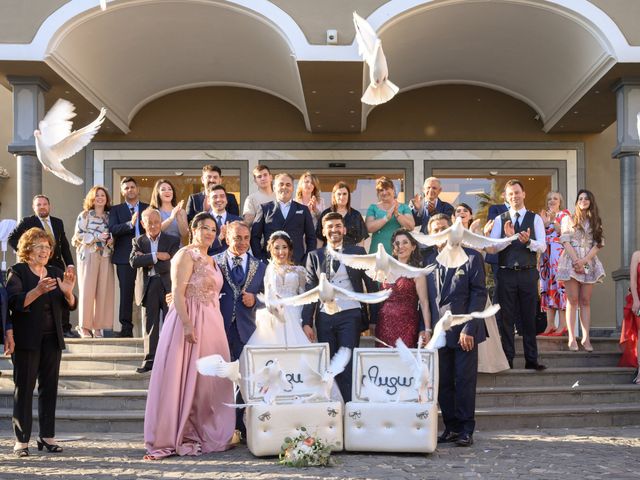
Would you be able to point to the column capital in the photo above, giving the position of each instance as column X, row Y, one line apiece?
column 16, row 80
column 627, row 90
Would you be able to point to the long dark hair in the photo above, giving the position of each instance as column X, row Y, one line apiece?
column 579, row 217
column 415, row 260
column 336, row 187
column 156, row 201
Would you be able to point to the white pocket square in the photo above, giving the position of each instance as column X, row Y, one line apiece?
column 299, row 212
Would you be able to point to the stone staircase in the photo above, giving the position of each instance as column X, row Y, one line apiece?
column 100, row 392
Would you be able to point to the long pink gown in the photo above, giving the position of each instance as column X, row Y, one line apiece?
column 185, row 412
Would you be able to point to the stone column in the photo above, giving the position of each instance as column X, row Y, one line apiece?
column 627, row 151
column 28, row 109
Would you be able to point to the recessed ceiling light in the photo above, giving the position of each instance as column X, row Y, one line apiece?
column 575, row 112
column 318, row 126
column 313, row 91
column 597, row 91
column 352, row 92
column 67, row 92
column 352, row 111
column 352, row 126
column 317, row 112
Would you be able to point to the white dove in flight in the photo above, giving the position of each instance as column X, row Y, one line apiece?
column 456, row 236
column 103, row 5
column 380, row 266
column 55, row 142
column 270, row 381
column 448, row 320
column 327, row 294
column 216, row 366
column 418, row 368
column 381, row 89
column 324, row 381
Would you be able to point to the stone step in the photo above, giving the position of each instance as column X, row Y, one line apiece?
column 94, row 421
column 104, row 345
column 562, row 377
column 545, row 344
column 92, row 361
column 511, row 397
column 90, row 399
column 88, row 379
column 567, row 358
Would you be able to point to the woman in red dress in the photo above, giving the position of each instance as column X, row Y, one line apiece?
column 631, row 321
column 398, row 316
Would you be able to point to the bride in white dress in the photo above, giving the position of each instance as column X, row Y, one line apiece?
column 282, row 279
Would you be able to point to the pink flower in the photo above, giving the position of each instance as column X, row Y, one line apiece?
column 310, row 441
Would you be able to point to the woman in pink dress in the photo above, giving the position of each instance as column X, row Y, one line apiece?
column 186, row 412
column 398, row 315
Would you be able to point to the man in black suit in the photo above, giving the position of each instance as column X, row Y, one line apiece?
column 199, row 202
column 124, row 225
column 284, row 214
column 153, row 253
column 458, row 290
column 424, row 208
column 341, row 329
column 62, row 253
column 218, row 202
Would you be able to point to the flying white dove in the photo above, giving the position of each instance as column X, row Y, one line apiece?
column 55, row 142
column 324, row 381
column 327, row 294
column 103, row 5
column 380, row 266
column 456, row 236
column 270, row 381
column 216, row 366
column 418, row 368
column 381, row 89
column 448, row 320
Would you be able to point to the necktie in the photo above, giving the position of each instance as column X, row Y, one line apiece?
column 219, row 222
column 47, row 228
column 517, row 221
column 237, row 274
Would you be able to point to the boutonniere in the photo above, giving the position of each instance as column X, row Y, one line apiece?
column 459, row 273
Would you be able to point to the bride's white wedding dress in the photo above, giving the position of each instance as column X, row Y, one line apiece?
column 282, row 281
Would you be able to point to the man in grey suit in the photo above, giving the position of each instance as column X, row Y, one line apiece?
column 152, row 253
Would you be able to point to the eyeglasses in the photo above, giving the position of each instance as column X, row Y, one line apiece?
column 42, row 246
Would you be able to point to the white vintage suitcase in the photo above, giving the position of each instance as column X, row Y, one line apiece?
column 268, row 425
column 371, row 423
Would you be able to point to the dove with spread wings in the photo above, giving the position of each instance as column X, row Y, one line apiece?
column 323, row 381
column 327, row 294
column 449, row 320
column 380, row 89
column 380, row 266
column 418, row 368
column 456, row 236
column 55, row 142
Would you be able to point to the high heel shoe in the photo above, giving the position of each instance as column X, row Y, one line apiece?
column 53, row 448
column 21, row 452
column 84, row 332
column 548, row 333
column 559, row 333
column 587, row 346
column 98, row 333
column 573, row 346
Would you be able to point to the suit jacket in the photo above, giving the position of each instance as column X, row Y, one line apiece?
column 298, row 224
column 231, row 306
column 422, row 216
column 27, row 321
column 195, row 205
column 495, row 211
column 5, row 324
column 123, row 231
column 61, row 254
column 463, row 290
column 218, row 246
column 316, row 264
column 141, row 257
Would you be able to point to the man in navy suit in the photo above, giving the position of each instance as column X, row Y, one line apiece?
column 243, row 279
column 341, row 329
column 61, row 257
column 424, row 209
column 153, row 253
column 458, row 290
column 218, row 202
column 124, row 225
column 284, row 214
column 199, row 202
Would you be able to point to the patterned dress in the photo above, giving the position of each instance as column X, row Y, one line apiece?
column 398, row 316
column 552, row 295
column 581, row 240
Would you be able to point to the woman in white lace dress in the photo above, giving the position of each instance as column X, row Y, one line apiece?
column 282, row 279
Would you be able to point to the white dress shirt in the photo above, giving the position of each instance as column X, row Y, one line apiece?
column 284, row 208
column 230, row 256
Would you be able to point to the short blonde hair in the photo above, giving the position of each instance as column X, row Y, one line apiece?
column 28, row 240
column 552, row 192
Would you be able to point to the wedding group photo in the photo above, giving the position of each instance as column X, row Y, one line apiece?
column 240, row 239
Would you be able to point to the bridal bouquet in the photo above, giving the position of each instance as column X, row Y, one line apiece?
column 305, row 451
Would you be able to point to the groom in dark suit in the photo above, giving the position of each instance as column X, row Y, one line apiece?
column 153, row 253
column 458, row 290
column 61, row 257
column 341, row 329
column 284, row 214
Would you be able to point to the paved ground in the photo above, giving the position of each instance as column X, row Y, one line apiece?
column 593, row 453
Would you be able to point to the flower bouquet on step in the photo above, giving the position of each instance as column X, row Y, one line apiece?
column 305, row 450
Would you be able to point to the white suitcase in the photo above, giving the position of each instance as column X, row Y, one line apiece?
column 268, row 425
column 400, row 424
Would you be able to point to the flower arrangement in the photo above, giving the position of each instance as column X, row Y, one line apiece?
column 305, row 451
